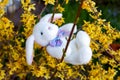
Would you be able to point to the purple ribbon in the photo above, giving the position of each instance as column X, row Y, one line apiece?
column 57, row 41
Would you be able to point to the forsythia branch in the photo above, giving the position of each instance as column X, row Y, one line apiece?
column 68, row 41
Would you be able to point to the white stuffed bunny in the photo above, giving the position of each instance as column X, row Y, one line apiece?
column 54, row 38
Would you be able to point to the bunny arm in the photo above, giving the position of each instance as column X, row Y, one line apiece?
column 29, row 49
column 47, row 18
column 68, row 27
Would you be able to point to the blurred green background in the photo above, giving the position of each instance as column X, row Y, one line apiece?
column 110, row 11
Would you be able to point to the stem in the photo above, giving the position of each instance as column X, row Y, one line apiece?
column 39, row 16
column 75, row 22
column 108, row 52
column 68, row 41
column 54, row 10
column 40, row 51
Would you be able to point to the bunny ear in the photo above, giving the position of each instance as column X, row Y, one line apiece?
column 29, row 49
column 47, row 18
column 68, row 27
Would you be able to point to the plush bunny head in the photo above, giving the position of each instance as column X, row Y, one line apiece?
column 43, row 33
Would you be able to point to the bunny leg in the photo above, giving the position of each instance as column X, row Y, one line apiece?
column 83, row 56
column 82, row 39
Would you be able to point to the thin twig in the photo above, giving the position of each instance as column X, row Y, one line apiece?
column 68, row 41
column 63, row 2
column 42, row 11
column 75, row 22
column 107, row 51
column 56, row 4
column 40, row 51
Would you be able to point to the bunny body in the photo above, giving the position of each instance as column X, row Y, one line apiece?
column 54, row 38
column 81, row 52
column 78, row 51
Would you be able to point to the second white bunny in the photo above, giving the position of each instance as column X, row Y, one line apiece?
column 54, row 38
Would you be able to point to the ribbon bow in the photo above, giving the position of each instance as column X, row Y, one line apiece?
column 56, row 42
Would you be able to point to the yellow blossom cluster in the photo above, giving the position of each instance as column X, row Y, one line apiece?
column 66, row 1
column 98, row 73
column 6, row 29
column 60, row 21
column 12, row 49
column 27, row 6
column 102, row 35
column 89, row 5
column 28, row 18
column 59, row 8
column 3, row 4
column 49, row 2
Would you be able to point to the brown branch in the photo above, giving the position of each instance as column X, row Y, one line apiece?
column 107, row 52
column 75, row 22
column 56, row 4
column 68, row 41
column 40, row 51
column 39, row 16
column 63, row 2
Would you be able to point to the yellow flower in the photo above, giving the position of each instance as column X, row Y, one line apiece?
column 2, row 74
column 6, row 28
column 59, row 8
column 25, row 2
column 59, row 22
column 104, row 60
column 40, row 72
column 49, row 2
column 89, row 5
column 94, row 46
column 3, row 4
column 27, row 6
column 1, row 65
column 66, row 1
column 1, row 12
column 28, row 20
column 110, row 74
column 70, row 72
column 96, row 16
column 61, row 66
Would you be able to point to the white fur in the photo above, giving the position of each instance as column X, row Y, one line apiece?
column 49, row 32
column 78, row 51
column 82, row 39
column 29, row 49
column 68, row 27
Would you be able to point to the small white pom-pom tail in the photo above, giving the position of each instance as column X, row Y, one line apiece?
column 29, row 49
